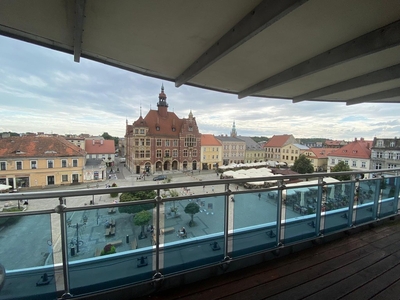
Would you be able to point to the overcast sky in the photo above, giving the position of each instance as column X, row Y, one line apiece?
column 42, row 90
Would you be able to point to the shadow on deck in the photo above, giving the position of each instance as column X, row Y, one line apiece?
column 362, row 264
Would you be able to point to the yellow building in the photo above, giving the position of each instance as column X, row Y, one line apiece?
column 40, row 161
column 291, row 152
column 211, row 152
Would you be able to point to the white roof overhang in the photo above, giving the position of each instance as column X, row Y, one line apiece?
column 316, row 50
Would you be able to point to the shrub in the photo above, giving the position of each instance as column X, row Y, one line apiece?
column 108, row 249
column 114, row 195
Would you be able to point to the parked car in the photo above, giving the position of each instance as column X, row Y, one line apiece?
column 160, row 177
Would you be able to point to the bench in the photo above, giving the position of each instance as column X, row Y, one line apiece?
column 97, row 252
column 167, row 230
column 134, row 244
column 115, row 243
column 110, row 231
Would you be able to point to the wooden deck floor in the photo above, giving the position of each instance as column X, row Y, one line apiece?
column 363, row 265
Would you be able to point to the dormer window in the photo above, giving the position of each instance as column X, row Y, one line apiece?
column 190, row 128
column 173, row 129
column 158, row 128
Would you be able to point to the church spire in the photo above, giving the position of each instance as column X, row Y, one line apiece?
column 233, row 132
column 162, row 103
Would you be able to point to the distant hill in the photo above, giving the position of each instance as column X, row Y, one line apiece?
column 258, row 139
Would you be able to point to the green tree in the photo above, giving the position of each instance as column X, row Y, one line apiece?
column 303, row 165
column 341, row 167
column 134, row 196
column 191, row 209
column 106, row 136
column 141, row 219
column 114, row 195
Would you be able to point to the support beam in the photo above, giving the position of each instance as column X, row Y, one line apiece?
column 372, row 42
column 78, row 28
column 375, row 96
column 379, row 76
column 262, row 16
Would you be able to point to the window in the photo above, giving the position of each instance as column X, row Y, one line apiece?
column 175, row 153
column 137, row 154
column 166, row 153
column 398, row 156
column 333, row 161
column 391, row 155
column 136, row 131
column 50, row 164
column 158, row 142
column 158, row 128
column 166, row 143
column 33, row 164
column 392, row 166
column 19, row 165
column 64, row 178
column 136, row 142
column 346, row 162
column 363, row 164
column 141, row 131
column 190, row 141
column 190, row 128
column 354, row 164
column 194, row 153
column 147, row 142
column 379, row 154
column 185, row 153
column 158, row 153
column 147, row 153
column 141, row 143
column 74, row 163
column 3, row 165
column 63, row 163
column 379, row 143
column 141, row 153
column 378, row 166
column 175, row 143
column 392, row 144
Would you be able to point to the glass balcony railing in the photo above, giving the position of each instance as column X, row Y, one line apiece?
column 82, row 242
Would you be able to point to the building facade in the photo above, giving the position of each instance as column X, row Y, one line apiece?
column 319, row 158
column 385, row 153
column 40, row 161
column 254, row 151
column 161, row 141
column 291, row 152
column 357, row 155
column 211, row 152
column 274, row 146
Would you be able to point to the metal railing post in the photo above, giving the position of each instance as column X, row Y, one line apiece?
column 60, row 209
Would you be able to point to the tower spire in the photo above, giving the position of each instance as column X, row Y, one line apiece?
column 233, row 132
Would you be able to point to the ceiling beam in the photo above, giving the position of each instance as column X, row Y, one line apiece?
column 375, row 96
column 262, row 16
column 379, row 76
column 372, row 42
column 78, row 28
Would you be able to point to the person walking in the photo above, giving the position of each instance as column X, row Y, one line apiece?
column 259, row 196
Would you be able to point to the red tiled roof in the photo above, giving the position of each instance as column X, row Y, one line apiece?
column 277, row 140
column 165, row 124
column 322, row 152
column 38, row 146
column 356, row 149
column 209, row 140
column 100, row 146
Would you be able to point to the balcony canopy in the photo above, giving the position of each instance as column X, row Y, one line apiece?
column 316, row 50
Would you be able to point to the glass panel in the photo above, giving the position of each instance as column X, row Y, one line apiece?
column 365, row 194
column 387, row 205
column 298, row 214
column 108, row 247
column 25, row 254
column 254, row 222
column 335, row 204
column 201, row 243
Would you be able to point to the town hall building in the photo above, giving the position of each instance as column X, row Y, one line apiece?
column 161, row 141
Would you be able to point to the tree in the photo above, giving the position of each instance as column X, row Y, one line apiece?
column 112, row 194
column 141, row 219
column 191, row 209
column 174, row 194
column 134, row 196
column 106, row 136
column 341, row 167
column 303, row 165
